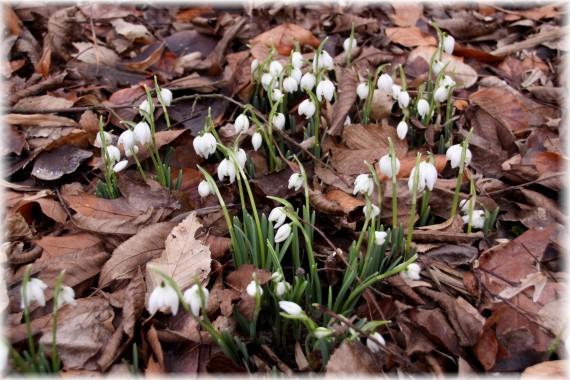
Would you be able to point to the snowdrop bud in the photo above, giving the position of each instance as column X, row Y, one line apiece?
column 322, row 332
column 324, row 60
column 347, row 121
column 464, row 204
column 402, row 129
column 279, row 121
column 290, row 85
column 127, row 139
column 276, row 95
column 412, row 272
column 283, row 233
column 295, row 181
column 275, row 68
column 291, row 308
column 386, row 166
column 346, row 45
column 106, row 135
column 385, row 83
column 165, row 298
column 396, row 91
column 447, row 82
column 34, row 290
column 453, row 155
column 371, row 211
column 297, row 75
column 205, row 189
column 448, row 44
column 241, row 124
column 423, row 107
column 166, row 96
column 276, row 277
column 307, row 108
column 66, row 295
column 363, row 184
column 145, row 109
column 477, row 220
column 241, row 157
column 254, row 65
column 120, row 166
column 114, row 153
column 372, row 343
column 277, row 215
column 403, row 99
column 256, row 141
column 192, row 298
column 281, row 288
column 253, row 289
column 362, row 90
column 440, row 95
column 325, row 89
column 134, row 151
column 308, row 81
column 437, row 66
column 297, row 59
column 266, row 81
column 226, row 168
column 380, row 237
column 142, row 132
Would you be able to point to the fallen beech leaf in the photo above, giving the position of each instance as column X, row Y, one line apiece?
column 555, row 369
column 346, row 202
column 461, row 72
column 146, row 59
column 406, row 14
column 39, row 120
column 240, row 278
column 410, row 36
column 16, row 228
column 322, row 204
column 549, row 162
column 95, row 54
column 352, row 358
column 43, row 102
column 54, row 246
column 345, row 101
column 465, row 25
column 120, row 227
column 92, row 206
column 134, row 304
column 284, row 36
column 55, row 164
column 536, row 280
column 131, row 31
column 50, row 207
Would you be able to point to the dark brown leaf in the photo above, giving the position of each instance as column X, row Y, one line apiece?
column 59, row 162
column 345, row 101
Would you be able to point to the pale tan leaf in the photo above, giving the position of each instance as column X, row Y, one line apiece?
column 462, row 73
column 120, row 227
column 99, row 54
column 537, row 280
column 132, row 31
column 352, row 358
column 43, row 102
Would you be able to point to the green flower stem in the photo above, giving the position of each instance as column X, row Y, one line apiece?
column 460, row 174
column 471, row 205
column 138, row 164
column 414, row 201
column 370, row 97
column 159, row 96
column 157, row 161
column 31, row 345
column 54, row 357
column 394, row 184
column 403, row 79
column 305, row 186
column 365, row 226
column 349, row 53
column 267, row 133
column 377, row 183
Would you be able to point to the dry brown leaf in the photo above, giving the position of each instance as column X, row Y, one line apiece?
column 346, row 202
column 131, row 31
column 50, row 207
column 406, row 13
column 284, row 36
column 120, row 227
column 410, row 36
column 92, row 206
column 352, row 358
column 146, row 59
column 54, row 246
column 461, row 72
column 556, row 369
column 43, row 102
column 55, row 164
column 39, row 120
column 344, row 102
column 240, row 278
column 95, row 54
column 134, row 304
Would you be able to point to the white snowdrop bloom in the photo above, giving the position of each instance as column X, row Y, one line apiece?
column 291, row 308
column 437, row 66
column 372, row 344
column 296, row 74
column 197, row 144
column 385, row 165
column 66, row 295
column 448, row 44
column 423, row 107
column 275, row 69
column 279, row 121
column 276, row 95
column 297, row 59
column 363, row 184
column 134, row 150
column 283, row 233
column 277, row 215
column 106, row 135
column 440, row 95
column 142, row 132
column 464, row 205
column 254, row 65
column 362, row 90
column 325, row 89
column 347, row 121
column 209, row 144
column 119, row 166
column 241, row 124
column 281, row 288
column 324, row 60
column 192, row 298
column 402, row 129
column 34, row 290
column 127, row 139
column 276, row 277
column 290, row 85
column 322, row 332
column 166, row 96
column 412, row 272
column 241, row 157
column 447, row 82
column 145, row 108
column 227, row 168
column 114, row 153
column 308, row 81
column 453, row 155
column 385, row 83
column 371, row 211
column 347, row 45
column 477, row 219
column 266, row 79
column 403, row 99
column 253, row 289
column 163, row 298
column 205, row 189
column 380, row 237
column 256, row 141
column 396, row 89
column 427, row 177
column 295, row 181
column 307, row 108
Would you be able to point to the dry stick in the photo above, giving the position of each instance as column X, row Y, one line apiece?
column 538, row 262
column 548, row 176
column 533, row 41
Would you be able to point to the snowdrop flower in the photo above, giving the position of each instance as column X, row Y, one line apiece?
column 385, row 83
column 297, row 60
column 276, row 95
column 403, row 99
column 325, row 89
column 127, row 139
column 464, row 204
column 241, row 157
column 254, row 65
column 276, row 277
column 290, row 85
column 227, row 168
column 241, row 124
column 275, row 68
column 447, row 82
column 283, row 233
column 277, row 215
column 428, row 177
column 114, row 153
column 362, row 90
column 453, row 155
column 324, row 60
column 205, row 145
column 437, row 66
column 279, row 121
column 347, row 45
column 106, row 135
column 165, row 97
column 380, row 237
column 253, row 289
column 291, row 308
column 363, row 184
column 322, row 332
column 385, row 165
column 402, row 129
column 281, row 288
column 371, row 211
column 256, row 141
column 145, row 108
column 134, row 150
column 477, row 219
column 372, row 344
column 266, row 79
column 142, row 132
column 192, row 298
column 120, row 166
column 307, row 108
column 412, row 272
column 205, row 189
column 448, row 44
column 163, row 297
column 347, row 121
column 423, row 107
column 396, row 89
column 297, row 75
column 308, row 81
column 66, row 295
column 440, row 95
column 295, row 181
column 34, row 290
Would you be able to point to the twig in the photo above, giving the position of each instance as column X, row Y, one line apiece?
column 533, row 41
